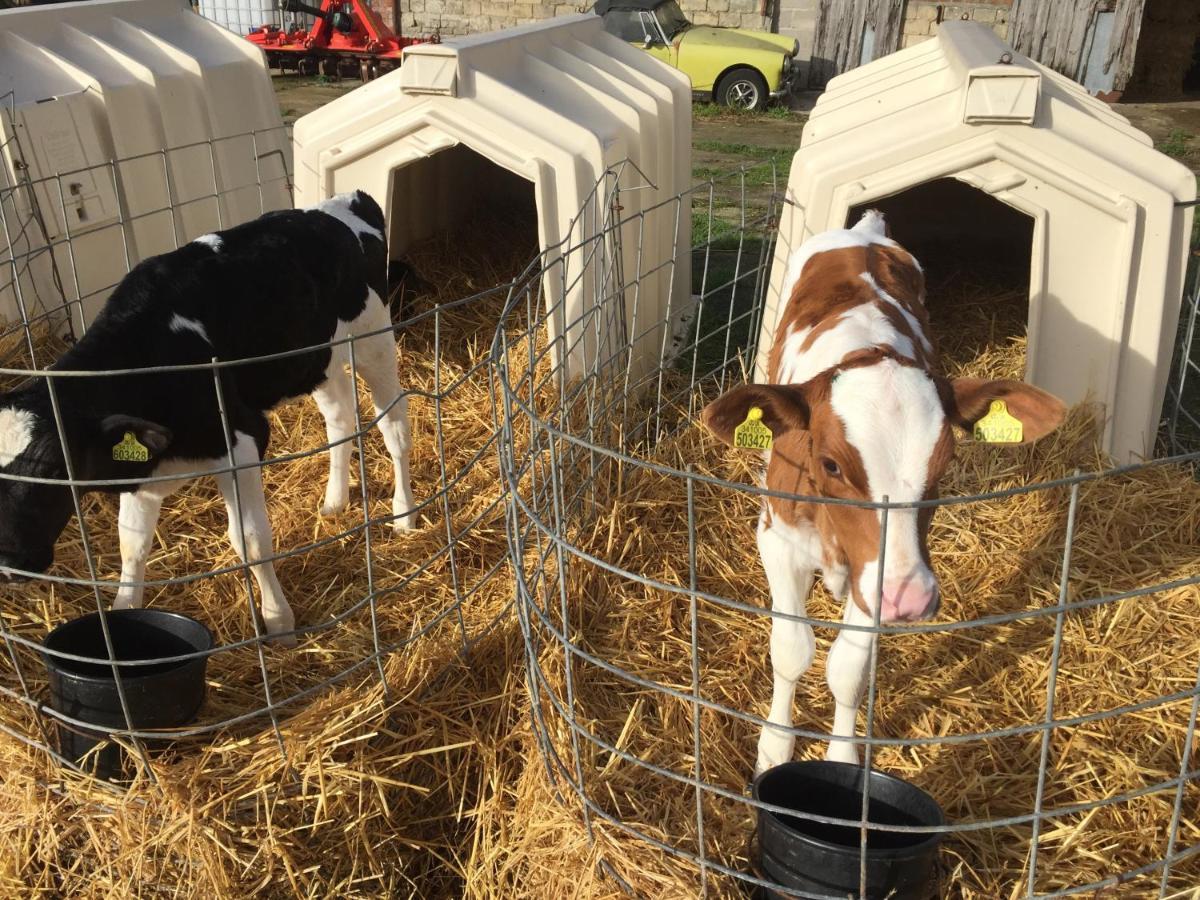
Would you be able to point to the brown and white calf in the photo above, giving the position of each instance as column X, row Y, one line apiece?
column 857, row 412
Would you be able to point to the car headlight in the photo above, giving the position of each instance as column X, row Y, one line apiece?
column 795, row 49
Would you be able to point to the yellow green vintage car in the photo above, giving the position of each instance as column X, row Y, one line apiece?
column 732, row 66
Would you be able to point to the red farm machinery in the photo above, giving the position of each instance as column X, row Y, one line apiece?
column 347, row 37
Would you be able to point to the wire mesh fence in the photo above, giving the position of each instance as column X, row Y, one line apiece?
column 365, row 591
column 1050, row 709
column 1181, row 428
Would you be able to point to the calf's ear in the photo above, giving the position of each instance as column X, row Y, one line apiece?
column 968, row 400
column 155, row 438
column 784, row 408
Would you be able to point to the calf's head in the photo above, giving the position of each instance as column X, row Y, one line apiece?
column 862, row 432
column 33, row 513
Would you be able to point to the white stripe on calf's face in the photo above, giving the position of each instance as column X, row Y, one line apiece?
column 893, row 416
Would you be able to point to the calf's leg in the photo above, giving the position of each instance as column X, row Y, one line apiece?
column 335, row 398
column 136, row 520
column 846, row 674
column 375, row 359
column 135, row 526
column 250, row 522
column 789, row 564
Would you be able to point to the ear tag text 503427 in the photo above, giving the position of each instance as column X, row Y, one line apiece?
column 129, row 449
column 999, row 426
column 753, row 434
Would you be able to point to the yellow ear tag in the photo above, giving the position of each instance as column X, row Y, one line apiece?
column 130, row 450
column 752, row 434
column 998, row 426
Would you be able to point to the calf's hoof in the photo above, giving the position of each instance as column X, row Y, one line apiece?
column 842, row 751
column 279, row 630
column 403, row 518
column 773, row 750
column 334, row 504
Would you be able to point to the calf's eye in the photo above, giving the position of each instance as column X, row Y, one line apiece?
column 831, row 467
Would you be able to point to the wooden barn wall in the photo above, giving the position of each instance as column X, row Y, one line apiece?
column 837, row 45
column 1054, row 32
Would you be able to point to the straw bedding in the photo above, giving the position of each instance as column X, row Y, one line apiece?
column 436, row 788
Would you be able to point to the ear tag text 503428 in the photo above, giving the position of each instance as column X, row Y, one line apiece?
column 753, row 434
column 999, row 426
column 129, row 449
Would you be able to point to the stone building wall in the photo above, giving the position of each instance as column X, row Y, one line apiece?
column 453, row 17
column 922, row 18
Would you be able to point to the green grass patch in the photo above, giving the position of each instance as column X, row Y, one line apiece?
column 708, row 111
column 706, row 228
column 760, row 175
column 725, row 311
column 731, row 149
column 1196, row 222
column 768, row 165
column 1178, row 144
column 713, row 111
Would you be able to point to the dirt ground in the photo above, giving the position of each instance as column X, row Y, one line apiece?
column 1174, row 127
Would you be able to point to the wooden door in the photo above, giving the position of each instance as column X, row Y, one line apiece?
column 852, row 32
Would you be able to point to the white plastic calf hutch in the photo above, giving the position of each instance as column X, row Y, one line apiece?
column 962, row 135
column 126, row 127
column 557, row 113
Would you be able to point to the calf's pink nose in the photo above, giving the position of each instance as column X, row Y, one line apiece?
column 908, row 601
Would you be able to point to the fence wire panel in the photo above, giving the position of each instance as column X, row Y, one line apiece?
column 361, row 590
column 1182, row 410
column 1050, row 708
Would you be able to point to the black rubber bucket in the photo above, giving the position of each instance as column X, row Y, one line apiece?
column 160, row 695
column 824, row 859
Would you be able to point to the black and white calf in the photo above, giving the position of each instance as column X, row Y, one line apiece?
column 286, row 281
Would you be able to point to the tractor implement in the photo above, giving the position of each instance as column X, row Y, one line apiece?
column 346, row 37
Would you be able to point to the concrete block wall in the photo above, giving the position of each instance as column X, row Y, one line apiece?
column 727, row 13
column 922, row 18
column 798, row 19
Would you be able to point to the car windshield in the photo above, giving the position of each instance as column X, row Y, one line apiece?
column 671, row 18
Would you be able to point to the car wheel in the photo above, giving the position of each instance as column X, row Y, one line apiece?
column 743, row 88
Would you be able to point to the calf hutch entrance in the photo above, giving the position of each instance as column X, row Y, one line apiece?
column 986, row 159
